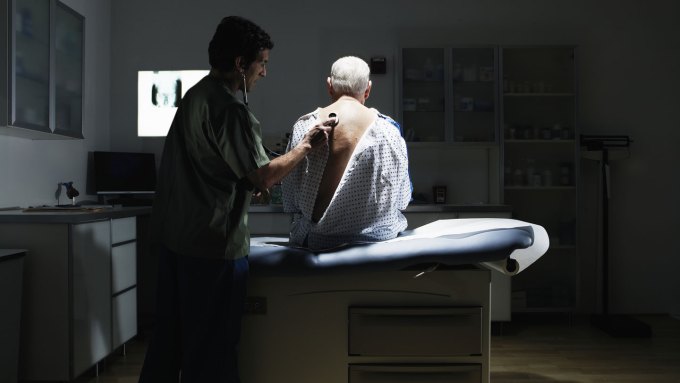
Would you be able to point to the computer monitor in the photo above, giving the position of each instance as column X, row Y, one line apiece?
column 124, row 173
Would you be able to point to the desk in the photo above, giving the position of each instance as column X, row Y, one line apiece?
column 80, row 287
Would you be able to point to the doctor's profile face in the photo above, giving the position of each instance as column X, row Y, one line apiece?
column 257, row 69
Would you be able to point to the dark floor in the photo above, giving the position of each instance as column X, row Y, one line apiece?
column 534, row 349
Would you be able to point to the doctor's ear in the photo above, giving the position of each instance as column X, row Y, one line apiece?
column 240, row 64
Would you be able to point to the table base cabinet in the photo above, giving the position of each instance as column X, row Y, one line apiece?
column 368, row 327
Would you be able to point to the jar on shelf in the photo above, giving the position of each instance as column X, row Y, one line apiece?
column 527, row 132
column 536, row 180
column 565, row 173
column 530, row 170
column 508, row 175
column 566, row 133
column 428, row 70
column 546, row 134
column 547, row 177
column 457, row 72
column 518, row 177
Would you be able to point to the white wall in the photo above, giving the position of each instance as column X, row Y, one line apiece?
column 31, row 169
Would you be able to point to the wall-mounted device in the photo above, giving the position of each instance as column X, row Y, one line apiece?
column 378, row 65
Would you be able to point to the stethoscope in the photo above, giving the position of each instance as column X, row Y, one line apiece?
column 276, row 154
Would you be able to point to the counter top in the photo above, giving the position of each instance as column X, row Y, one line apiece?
column 70, row 216
column 415, row 208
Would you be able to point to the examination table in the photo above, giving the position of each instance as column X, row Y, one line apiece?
column 412, row 309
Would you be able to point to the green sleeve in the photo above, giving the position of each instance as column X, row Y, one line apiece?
column 241, row 142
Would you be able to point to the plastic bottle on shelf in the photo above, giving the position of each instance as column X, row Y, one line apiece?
column 530, row 170
column 19, row 63
column 508, row 174
column 547, row 177
column 565, row 174
column 518, row 177
column 439, row 72
column 557, row 131
column 428, row 70
column 457, row 72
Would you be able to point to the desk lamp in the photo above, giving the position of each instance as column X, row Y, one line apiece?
column 71, row 192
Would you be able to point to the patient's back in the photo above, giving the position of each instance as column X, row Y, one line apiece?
column 354, row 120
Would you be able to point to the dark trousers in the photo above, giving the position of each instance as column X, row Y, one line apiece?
column 198, row 320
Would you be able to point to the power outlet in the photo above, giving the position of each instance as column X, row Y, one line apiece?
column 255, row 306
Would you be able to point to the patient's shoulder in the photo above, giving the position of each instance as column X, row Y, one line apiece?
column 388, row 120
column 303, row 124
column 311, row 116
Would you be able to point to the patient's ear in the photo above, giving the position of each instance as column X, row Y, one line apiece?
column 330, row 86
column 367, row 92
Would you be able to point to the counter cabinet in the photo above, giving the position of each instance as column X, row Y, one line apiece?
column 79, row 292
column 11, row 282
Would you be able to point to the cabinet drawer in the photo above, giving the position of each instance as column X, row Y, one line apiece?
column 372, row 373
column 123, row 229
column 415, row 331
column 123, row 267
column 124, row 321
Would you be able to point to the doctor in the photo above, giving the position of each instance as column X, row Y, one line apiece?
column 212, row 162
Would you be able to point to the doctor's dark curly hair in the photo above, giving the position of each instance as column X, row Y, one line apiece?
column 236, row 36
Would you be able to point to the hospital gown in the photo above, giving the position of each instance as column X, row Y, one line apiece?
column 366, row 205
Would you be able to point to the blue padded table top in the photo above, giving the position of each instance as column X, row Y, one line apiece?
column 271, row 255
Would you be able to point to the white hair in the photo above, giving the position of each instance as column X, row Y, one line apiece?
column 349, row 76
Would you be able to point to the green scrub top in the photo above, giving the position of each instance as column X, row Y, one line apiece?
column 202, row 195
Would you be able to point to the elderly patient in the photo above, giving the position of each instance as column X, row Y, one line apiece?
column 354, row 188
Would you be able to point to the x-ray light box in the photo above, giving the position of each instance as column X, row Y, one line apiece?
column 158, row 96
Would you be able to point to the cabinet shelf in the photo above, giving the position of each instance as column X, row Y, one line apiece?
column 428, row 82
column 30, row 39
column 68, row 93
column 32, row 78
column 562, row 247
column 474, row 111
column 541, row 142
column 533, row 143
column 451, row 144
column 539, row 94
column 473, row 82
column 462, row 82
column 561, row 309
column 541, row 188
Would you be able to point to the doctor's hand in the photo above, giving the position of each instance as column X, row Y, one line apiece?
column 262, row 197
column 318, row 134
